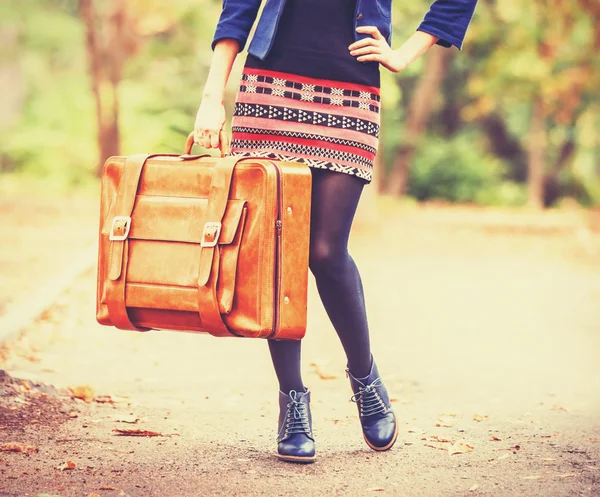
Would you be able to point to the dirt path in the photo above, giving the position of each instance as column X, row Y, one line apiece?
column 486, row 328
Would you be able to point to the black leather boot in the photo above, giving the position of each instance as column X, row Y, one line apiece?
column 295, row 442
column 378, row 421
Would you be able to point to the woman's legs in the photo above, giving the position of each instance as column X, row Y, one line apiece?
column 335, row 198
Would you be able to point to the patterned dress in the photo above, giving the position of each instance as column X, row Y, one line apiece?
column 310, row 101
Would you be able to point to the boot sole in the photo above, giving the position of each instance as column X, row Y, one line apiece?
column 297, row 459
column 388, row 446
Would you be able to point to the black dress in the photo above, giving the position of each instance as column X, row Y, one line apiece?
column 310, row 100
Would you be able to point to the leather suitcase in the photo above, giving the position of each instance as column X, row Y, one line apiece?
column 204, row 244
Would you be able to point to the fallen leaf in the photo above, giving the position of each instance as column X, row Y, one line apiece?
column 595, row 440
column 514, row 447
column 322, row 374
column 127, row 419
column 73, row 414
column 376, row 489
column 445, row 422
column 104, row 399
column 496, row 439
column 436, row 438
column 18, row 447
column 435, row 447
column 567, row 475
column 68, row 465
column 139, row 433
column 461, row 447
column 479, row 417
column 532, row 477
column 473, row 488
column 558, row 407
column 85, row 393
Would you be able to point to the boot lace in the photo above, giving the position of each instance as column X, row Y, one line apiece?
column 368, row 399
column 296, row 418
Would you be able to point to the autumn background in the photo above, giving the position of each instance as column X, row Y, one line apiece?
column 513, row 119
column 478, row 244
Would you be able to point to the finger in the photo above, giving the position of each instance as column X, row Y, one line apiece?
column 370, row 58
column 362, row 43
column 370, row 30
column 214, row 139
column 205, row 140
column 366, row 51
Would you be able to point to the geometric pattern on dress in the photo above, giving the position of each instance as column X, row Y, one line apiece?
column 308, row 96
column 282, row 113
column 328, row 90
column 364, row 174
column 297, row 148
column 305, row 136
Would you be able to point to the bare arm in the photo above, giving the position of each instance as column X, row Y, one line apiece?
column 376, row 49
column 211, row 114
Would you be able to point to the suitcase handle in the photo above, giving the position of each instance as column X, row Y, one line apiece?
column 223, row 143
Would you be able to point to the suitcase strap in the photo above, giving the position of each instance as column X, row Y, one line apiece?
column 208, row 275
column 119, row 243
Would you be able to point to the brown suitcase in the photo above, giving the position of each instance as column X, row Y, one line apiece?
column 204, row 244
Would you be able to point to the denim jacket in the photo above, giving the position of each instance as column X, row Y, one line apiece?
column 446, row 19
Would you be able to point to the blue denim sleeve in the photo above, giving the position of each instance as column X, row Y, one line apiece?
column 236, row 21
column 449, row 20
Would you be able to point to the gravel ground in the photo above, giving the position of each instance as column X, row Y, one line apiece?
column 486, row 327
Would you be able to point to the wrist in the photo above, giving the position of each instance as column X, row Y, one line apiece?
column 402, row 61
column 213, row 95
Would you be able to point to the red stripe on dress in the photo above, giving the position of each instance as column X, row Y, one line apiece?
column 291, row 103
column 312, row 81
column 257, row 153
column 309, row 142
column 344, row 134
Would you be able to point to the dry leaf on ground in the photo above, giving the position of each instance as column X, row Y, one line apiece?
column 67, row 465
column 83, row 392
column 595, row 440
column 104, row 399
column 513, row 448
column 496, row 439
column 127, row 419
column 322, row 374
column 139, row 433
column 446, row 421
column 435, row 447
column 436, row 438
column 18, row 447
column 376, row 489
column 480, row 417
column 461, row 447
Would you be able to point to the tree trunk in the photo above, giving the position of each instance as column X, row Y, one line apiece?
column 535, row 155
column 419, row 111
column 105, row 83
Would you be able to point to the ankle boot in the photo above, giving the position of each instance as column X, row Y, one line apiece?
column 378, row 421
column 295, row 442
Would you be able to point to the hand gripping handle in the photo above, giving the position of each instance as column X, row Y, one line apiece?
column 224, row 145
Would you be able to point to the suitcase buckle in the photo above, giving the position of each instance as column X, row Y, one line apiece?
column 210, row 234
column 119, row 229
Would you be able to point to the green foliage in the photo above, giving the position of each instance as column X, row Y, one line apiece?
column 515, row 51
column 456, row 171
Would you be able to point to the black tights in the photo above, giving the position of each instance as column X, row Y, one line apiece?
column 335, row 197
